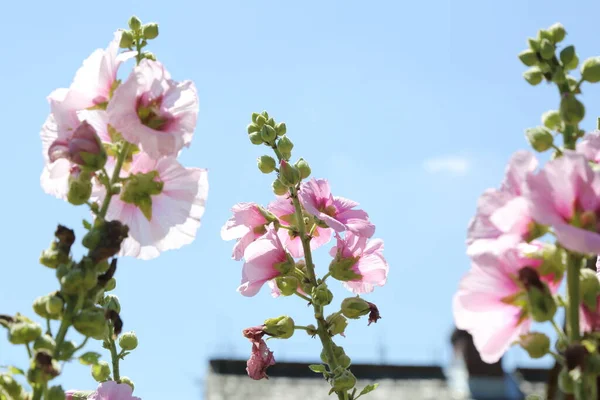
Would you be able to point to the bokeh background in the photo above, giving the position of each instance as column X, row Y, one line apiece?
column 411, row 108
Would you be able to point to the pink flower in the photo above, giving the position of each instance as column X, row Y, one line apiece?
column 505, row 210
column 589, row 146
column 247, row 224
column 487, row 302
column 590, row 320
column 175, row 212
column 284, row 209
column 261, row 357
column 111, row 390
column 366, row 261
column 265, row 258
column 152, row 110
column 566, row 195
column 337, row 212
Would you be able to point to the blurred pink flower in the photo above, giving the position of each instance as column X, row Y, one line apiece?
column 153, row 111
column 589, row 146
column 111, row 390
column 505, row 210
column 284, row 209
column 367, row 261
column 247, row 224
column 566, row 195
column 176, row 211
column 590, row 320
column 337, row 212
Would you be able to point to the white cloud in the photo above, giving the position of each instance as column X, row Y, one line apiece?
column 454, row 165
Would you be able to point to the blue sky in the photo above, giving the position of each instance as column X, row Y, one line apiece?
column 410, row 108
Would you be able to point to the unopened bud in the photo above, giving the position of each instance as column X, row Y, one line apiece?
column 80, row 186
column 569, row 58
column 149, row 55
column 252, row 128
column 271, row 122
column 255, row 138
column 44, row 342
column 101, row 371
column 543, row 34
column 254, row 116
column 128, row 341
column 268, row 134
column 287, row 285
column 303, row 167
column 126, row 40
column 336, row 324
column 279, row 188
column 86, row 149
column 135, row 23
column 565, row 382
column 528, row 57
column 281, row 129
column 280, row 327
column 572, row 110
column 266, row 164
column 24, row 332
column 260, row 120
column 321, row 295
column 54, row 305
column 285, row 146
column 589, row 288
column 533, row 76
column 590, row 70
column 341, row 269
column 546, row 49
column 126, row 380
column 536, row 344
column 110, row 285
column 150, row 31
column 533, row 44
column 339, row 354
column 90, row 322
column 540, row 138
column 111, row 302
column 355, row 307
column 541, row 303
column 558, row 32
column 39, row 306
column 551, row 120
column 56, row 393
column 10, row 387
column 72, row 281
column 288, row 174
column 344, row 381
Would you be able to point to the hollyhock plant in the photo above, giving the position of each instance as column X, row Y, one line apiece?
column 337, row 212
column 247, row 224
column 153, row 111
column 590, row 146
column 359, row 262
column 566, row 195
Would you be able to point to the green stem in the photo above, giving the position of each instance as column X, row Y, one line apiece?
column 38, row 391
column 324, row 278
column 304, row 297
column 115, row 359
column 304, row 328
column 81, row 345
column 48, row 327
column 558, row 330
column 573, row 265
column 114, row 179
column 28, row 350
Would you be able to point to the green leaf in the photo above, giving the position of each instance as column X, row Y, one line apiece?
column 368, row 389
column 89, row 358
column 87, row 225
column 15, row 371
column 318, row 368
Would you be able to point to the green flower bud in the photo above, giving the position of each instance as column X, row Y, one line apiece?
column 572, row 110
column 546, row 49
column 569, row 58
column 339, row 354
column 90, row 322
column 321, row 295
column 268, row 134
column 54, row 305
column 533, row 76
column 590, row 70
column 255, row 138
column 128, row 341
column 279, row 188
column 536, row 344
column 573, row 84
column 266, row 164
column 534, row 44
column 126, row 380
column 541, row 303
column 344, row 381
column 543, row 34
column 281, row 129
column 10, row 387
column 24, row 332
column 355, row 307
column 271, row 122
column 551, row 120
column 287, row 285
column 101, row 371
column 336, row 324
column 303, row 168
column 558, row 32
column 565, row 382
column 540, row 138
column 72, row 281
column 254, row 116
column 51, row 257
column 110, row 285
column 589, row 288
column 285, row 145
column 252, row 128
column 111, row 302
column 56, row 393
column 135, row 23
column 39, row 306
column 80, row 188
column 150, row 31
column 149, row 55
column 260, row 120
column 66, row 351
column 89, row 358
column 528, row 57
column 559, row 76
column 280, row 327
column 288, row 174
column 265, row 114
column 44, row 342
column 126, row 40
column 341, row 269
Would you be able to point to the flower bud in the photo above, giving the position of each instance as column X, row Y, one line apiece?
column 86, row 149
column 126, row 380
column 288, row 174
column 110, row 285
column 287, row 285
column 80, row 187
column 303, row 168
column 54, row 305
column 546, row 49
column 285, row 146
column 321, row 295
column 24, row 332
column 355, row 307
column 541, row 303
column 343, row 382
column 572, row 110
column 253, row 128
column 72, row 281
column 135, row 23
column 533, row 76
column 255, row 138
column 281, row 129
column 266, row 164
column 279, row 188
column 39, row 306
column 9, row 386
column 111, row 302
column 551, row 120
column 336, row 324
column 565, row 382
column 260, row 120
column 66, row 351
column 101, row 371
column 341, row 269
column 44, row 342
column 569, row 58
column 268, row 134
column 56, row 393
column 128, row 341
column 558, row 32
column 90, row 322
column 149, row 55
column 280, row 327
column 533, row 44
column 590, row 70
column 540, row 138
column 589, row 288
column 126, row 40
column 339, row 354
column 150, row 31
column 536, row 344
column 528, row 57
column 271, row 122
column 543, row 34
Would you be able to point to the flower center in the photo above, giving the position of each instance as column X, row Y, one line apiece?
column 150, row 114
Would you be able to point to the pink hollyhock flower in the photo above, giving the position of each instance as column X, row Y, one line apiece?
column 337, row 212
column 265, row 258
column 247, row 224
column 284, row 209
column 175, row 212
column 111, row 390
column 588, row 319
column 566, row 195
column 363, row 258
column 489, row 298
column 505, row 210
column 589, row 146
column 153, row 111
column 261, row 357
